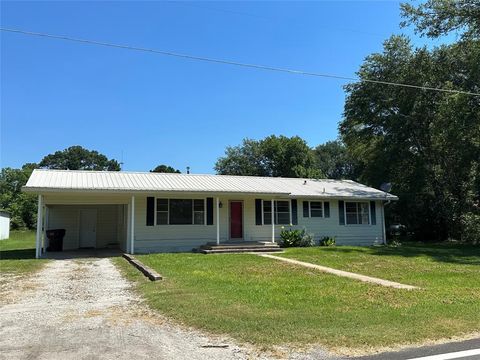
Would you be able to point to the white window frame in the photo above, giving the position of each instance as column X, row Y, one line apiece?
column 204, row 211
column 168, row 211
column 310, row 209
column 274, row 213
column 357, row 202
column 193, row 211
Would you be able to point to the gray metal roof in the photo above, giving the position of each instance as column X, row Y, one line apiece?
column 120, row 181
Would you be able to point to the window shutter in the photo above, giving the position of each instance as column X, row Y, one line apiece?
column 341, row 212
column 209, row 211
column 150, row 211
column 306, row 210
column 294, row 212
column 258, row 211
column 373, row 215
column 326, row 208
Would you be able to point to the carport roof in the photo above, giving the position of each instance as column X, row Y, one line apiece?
column 42, row 181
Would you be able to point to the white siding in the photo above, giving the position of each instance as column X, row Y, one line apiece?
column 4, row 226
column 112, row 222
column 344, row 234
column 185, row 237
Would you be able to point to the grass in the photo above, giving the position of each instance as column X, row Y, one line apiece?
column 17, row 254
column 267, row 302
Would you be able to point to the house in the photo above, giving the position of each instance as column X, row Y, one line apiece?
column 155, row 212
column 4, row 225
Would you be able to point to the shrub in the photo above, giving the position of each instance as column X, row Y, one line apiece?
column 307, row 239
column 471, row 228
column 327, row 241
column 296, row 238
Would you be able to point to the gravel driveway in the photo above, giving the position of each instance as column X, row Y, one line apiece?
column 84, row 309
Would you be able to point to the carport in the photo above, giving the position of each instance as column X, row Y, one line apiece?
column 91, row 221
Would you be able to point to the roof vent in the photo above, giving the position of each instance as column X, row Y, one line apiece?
column 304, row 182
column 188, row 169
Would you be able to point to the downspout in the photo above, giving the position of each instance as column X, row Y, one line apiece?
column 383, row 222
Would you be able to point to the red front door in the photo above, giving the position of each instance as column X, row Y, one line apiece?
column 236, row 220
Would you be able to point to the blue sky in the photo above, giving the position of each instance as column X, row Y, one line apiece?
column 155, row 109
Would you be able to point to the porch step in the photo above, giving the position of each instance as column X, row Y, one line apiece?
column 236, row 251
column 213, row 248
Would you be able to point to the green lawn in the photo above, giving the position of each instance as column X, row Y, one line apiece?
column 17, row 254
column 267, row 302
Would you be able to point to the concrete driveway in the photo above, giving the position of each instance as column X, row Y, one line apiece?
column 84, row 309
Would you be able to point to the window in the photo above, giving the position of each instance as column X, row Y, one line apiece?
column 357, row 213
column 180, row 211
column 162, row 211
column 199, row 212
column 267, row 212
column 281, row 213
column 316, row 209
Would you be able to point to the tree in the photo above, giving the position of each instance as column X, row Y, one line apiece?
column 272, row 156
column 21, row 206
column 78, row 158
column 435, row 18
column 334, row 161
column 426, row 143
column 165, row 169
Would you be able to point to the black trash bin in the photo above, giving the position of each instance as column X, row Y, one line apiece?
column 55, row 239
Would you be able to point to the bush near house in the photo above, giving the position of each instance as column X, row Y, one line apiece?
column 296, row 238
column 327, row 241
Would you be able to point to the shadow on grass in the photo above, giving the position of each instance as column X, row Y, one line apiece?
column 448, row 253
column 22, row 254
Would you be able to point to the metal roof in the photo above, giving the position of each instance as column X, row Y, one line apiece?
column 120, row 181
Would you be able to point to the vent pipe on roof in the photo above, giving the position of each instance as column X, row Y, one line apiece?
column 188, row 169
column 305, row 182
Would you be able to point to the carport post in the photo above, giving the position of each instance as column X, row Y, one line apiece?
column 273, row 221
column 218, row 221
column 38, row 238
column 132, row 226
column 45, row 224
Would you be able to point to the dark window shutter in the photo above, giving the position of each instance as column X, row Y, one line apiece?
column 150, row 211
column 209, row 211
column 258, row 211
column 373, row 214
column 326, row 208
column 294, row 212
column 306, row 210
column 341, row 212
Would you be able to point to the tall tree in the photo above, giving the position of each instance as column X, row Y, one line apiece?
column 21, row 206
column 426, row 143
column 335, row 162
column 165, row 169
column 79, row 158
column 435, row 18
column 272, row 156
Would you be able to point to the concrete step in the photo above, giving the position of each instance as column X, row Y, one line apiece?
column 238, row 246
column 241, row 250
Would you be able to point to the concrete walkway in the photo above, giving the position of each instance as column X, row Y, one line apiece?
column 347, row 274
